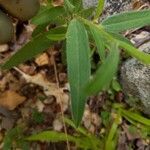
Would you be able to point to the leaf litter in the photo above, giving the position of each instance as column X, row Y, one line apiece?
column 31, row 87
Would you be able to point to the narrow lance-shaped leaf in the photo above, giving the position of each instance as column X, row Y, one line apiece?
column 105, row 72
column 32, row 48
column 69, row 6
column 58, row 35
column 134, row 52
column 51, row 136
column 127, row 20
column 114, row 38
column 78, row 4
column 136, row 117
column 111, row 141
column 99, row 42
column 120, row 37
column 48, row 15
column 39, row 29
column 99, row 9
column 78, row 60
column 10, row 136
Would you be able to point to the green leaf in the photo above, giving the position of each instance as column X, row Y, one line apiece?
column 105, row 116
column 112, row 137
column 93, row 142
column 115, row 85
column 134, row 52
column 10, row 137
column 39, row 29
column 22, row 144
column 120, row 38
column 69, row 6
column 78, row 129
column 78, row 4
column 86, row 13
column 136, row 117
column 53, row 136
column 99, row 42
column 127, row 20
column 32, row 48
column 105, row 72
column 99, row 9
column 78, row 60
column 127, row 46
column 48, row 15
column 56, row 37
column 50, row 136
column 37, row 117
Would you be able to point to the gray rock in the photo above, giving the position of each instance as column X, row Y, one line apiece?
column 111, row 6
column 89, row 3
column 135, row 78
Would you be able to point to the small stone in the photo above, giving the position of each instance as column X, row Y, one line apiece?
column 4, row 48
column 111, row 6
column 135, row 78
column 89, row 3
column 57, row 125
column 40, row 106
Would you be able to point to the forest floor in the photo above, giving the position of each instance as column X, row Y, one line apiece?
column 35, row 96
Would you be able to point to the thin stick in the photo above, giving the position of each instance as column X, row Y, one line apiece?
column 62, row 113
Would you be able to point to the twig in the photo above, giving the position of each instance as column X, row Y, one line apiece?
column 62, row 113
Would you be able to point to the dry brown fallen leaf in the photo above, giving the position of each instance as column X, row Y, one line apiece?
column 48, row 87
column 91, row 120
column 42, row 60
column 9, row 79
column 11, row 99
column 139, row 4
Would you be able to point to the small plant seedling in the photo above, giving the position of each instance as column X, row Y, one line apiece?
column 74, row 28
column 37, row 117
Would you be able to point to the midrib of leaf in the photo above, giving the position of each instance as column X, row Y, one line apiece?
column 78, row 71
